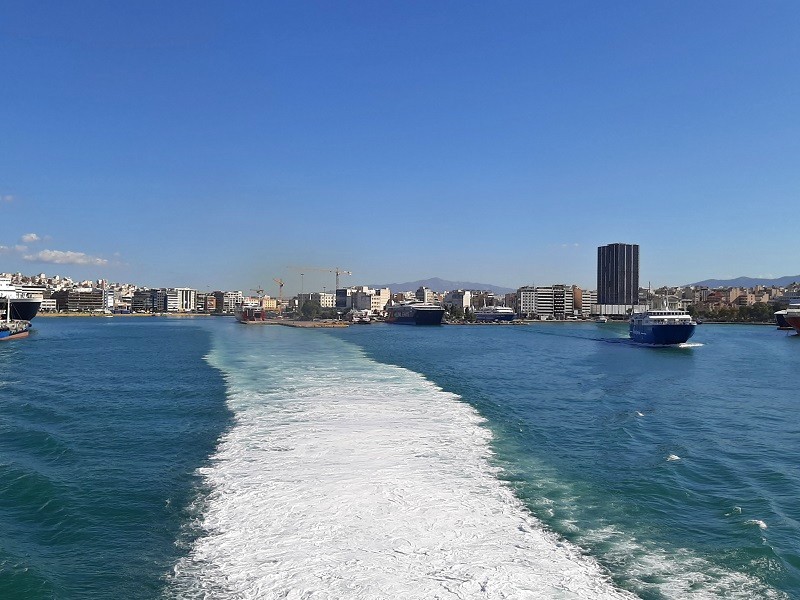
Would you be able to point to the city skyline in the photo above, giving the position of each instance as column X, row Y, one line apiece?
column 214, row 147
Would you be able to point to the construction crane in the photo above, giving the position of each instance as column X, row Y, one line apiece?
column 280, row 288
column 335, row 270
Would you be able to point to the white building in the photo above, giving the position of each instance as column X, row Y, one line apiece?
column 526, row 300
column 373, row 300
column 424, row 294
column 325, row 299
column 181, row 299
column 588, row 298
column 230, row 300
column 458, row 299
column 547, row 301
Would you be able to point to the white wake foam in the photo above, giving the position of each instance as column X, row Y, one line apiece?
column 344, row 478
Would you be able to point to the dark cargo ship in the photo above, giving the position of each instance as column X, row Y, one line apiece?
column 414, row 313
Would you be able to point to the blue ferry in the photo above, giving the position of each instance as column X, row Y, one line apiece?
column 494, row 313
column 662, row 327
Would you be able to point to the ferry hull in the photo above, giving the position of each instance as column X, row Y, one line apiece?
column 24, row 309
column 494, row 317
column 794, row 321
column 420, row 317
column 249, row 315
column 662, row 335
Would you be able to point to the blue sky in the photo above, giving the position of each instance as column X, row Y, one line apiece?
column 215, row 144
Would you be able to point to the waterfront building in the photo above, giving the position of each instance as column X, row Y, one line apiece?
column 225, row 302
column 510, row 299
column 458, row 299
column 180, row 300
column 205, row 302
column 48, row 305
column 80, row 299
column 344, row 298
column 554, row 302
column 481, row 298
column 141, row 301
column 373, row 300
column 172, row 299
column 526, row 301
column 618, row 274
column 545, row 301
column 584, row 299
column 424, row 294
column 324, row 299
column 403, row 297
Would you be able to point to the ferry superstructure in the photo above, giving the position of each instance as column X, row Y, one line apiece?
column 414, row 313
column 494, row 313
column 22, row 306
column 662, row 326
column 250, row 313
column 780, row 316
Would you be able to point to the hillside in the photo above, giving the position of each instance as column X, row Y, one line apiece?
column 443, row 285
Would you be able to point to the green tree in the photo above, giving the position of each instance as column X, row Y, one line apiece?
column 310, row 309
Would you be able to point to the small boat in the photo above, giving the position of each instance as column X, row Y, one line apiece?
column 11, row 330
column 662, row 327
column 360, row 317
column 601, row 319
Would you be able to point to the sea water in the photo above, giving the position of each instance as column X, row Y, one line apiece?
column 198, row 458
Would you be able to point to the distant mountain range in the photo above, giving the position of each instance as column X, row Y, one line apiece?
column 442, row 285
column 747, row 282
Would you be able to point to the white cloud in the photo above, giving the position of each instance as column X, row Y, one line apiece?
column 65, row 257
column 4, row 249
column 6, row 198
column 20, row 248
column 29, row 238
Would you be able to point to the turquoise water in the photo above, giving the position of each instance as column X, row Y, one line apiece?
column 102, row 425
column 676, row 467
column 198, row 458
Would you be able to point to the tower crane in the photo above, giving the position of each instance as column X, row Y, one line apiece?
column 280, row 288
column 335, row 270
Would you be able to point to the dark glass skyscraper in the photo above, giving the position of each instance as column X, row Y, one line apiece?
column 618, row 274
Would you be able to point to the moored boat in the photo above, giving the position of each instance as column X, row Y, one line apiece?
column 414, row 313
column 250, row 313
column 10, row 330
column 662, row 327
column 360, row 317
column 494, row 313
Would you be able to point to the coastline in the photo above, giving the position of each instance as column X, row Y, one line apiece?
column 49, row 315
column 300, row 324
